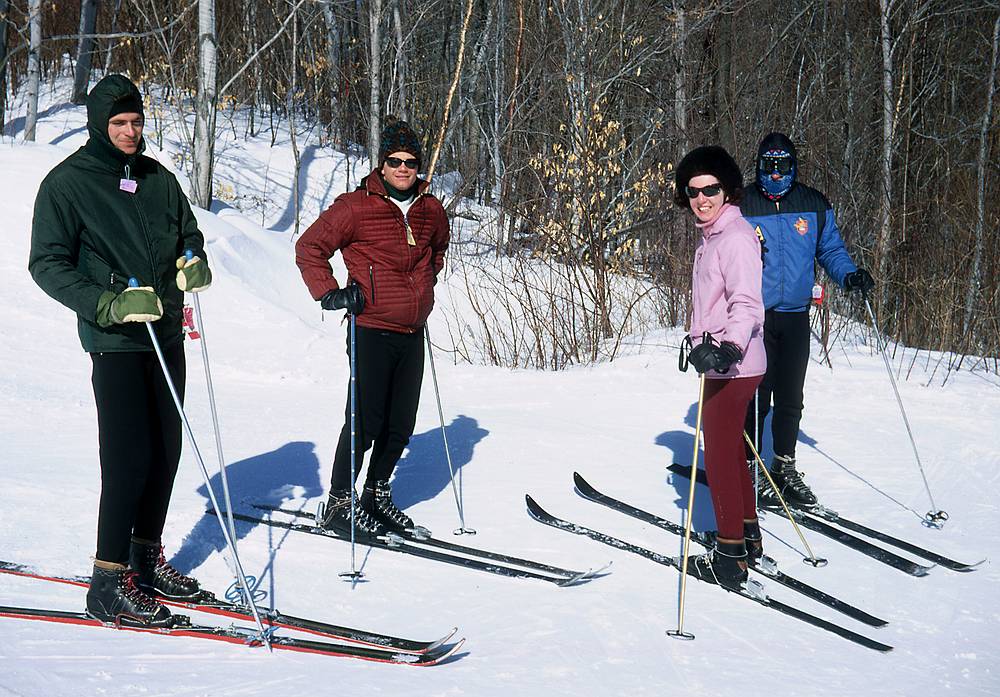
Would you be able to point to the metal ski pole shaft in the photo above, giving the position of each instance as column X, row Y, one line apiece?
column 812, row 558
column 215, row 416
column 230, row 542
column 456, row 490
column 756, row 444
column 353, row 574
column 935, row 517
column 679, row 633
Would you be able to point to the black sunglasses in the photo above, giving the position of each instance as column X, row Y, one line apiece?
column 395, row 162
column 782, row 164
column 709, row 191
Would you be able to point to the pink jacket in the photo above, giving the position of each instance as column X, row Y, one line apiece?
column 725, row 291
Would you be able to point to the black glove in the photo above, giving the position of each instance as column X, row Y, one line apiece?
column 350, row 298
column 859, row 280
column 706, row 357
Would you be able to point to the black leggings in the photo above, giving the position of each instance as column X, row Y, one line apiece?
column 140, row 439
column 786, row 341
column 390, row 369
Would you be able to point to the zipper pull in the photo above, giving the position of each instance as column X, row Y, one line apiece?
column 410, row 239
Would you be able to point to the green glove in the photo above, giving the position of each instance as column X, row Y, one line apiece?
column 193, row 274
column 131, row 305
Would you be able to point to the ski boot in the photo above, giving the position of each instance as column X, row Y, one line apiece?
column 754, row 541
column 155, row 576
column 789, row 482
column 725, row 564
column 114, row 597
column 337, row 517
column 766, row 498
column 377, row 500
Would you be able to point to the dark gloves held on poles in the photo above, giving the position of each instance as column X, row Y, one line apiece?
column 706, row 356
column 859, row 280
column 350, row 298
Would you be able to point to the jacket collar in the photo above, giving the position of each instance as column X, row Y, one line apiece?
column 373, row 184
column 728, row 213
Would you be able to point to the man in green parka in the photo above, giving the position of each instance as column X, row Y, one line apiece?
column 104, row 215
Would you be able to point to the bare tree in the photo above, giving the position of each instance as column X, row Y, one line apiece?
column 85, row 50
column 975, row 276
column 34, row 67
column 3, row 62
column 204, row 121
column 374, row 78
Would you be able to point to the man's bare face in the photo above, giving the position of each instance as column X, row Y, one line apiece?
column 125, row 131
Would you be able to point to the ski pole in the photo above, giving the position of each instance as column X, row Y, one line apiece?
column 456, row 490
column 189, row 254
column 934, row 518
column 679, row 633
column 230, row 542
column 812, row 558
column 353, row 574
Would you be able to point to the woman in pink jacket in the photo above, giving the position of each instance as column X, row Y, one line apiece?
column 728, row 348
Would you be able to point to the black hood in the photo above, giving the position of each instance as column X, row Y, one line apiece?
column 100, row 103
column 776, row 141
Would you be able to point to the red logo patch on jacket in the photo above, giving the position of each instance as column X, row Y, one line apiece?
column 802, row 226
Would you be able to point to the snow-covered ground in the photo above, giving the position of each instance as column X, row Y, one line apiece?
column 280, row 371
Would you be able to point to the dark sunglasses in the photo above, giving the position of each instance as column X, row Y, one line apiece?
column 709, row 191
column 782, row 164
column 395, row 162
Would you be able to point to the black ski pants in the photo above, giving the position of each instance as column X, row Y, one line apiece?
column 390, row 370
column 140, row 440
column 786, row 342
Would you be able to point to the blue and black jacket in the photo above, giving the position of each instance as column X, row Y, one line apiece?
column 795, row 230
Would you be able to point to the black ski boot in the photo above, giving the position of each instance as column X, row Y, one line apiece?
column 337, row 517
column 789, row 481
column 156, row 577
column 766, row 497
column 754, row 542
column 725, row 564
column 113, row 597
column 377, row 500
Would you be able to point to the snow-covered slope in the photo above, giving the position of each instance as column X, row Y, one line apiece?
column 280, row 371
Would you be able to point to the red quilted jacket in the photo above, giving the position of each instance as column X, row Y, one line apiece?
column 397, row 276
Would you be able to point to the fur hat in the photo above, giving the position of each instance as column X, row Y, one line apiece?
column 713, row 160
column 397, row 136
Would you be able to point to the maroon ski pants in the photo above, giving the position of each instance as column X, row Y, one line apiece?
column 724, row 412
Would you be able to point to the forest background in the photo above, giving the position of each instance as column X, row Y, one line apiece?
column 564, row 119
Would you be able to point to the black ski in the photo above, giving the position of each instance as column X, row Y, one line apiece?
column 396, row 543
column 588, row 492
column 833, row 517
column 211, row 604
column 457, row 548
column 816, row 525
column 241, row 635
column 539, row 514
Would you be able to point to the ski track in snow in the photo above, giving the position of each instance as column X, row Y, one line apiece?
column 280, row 371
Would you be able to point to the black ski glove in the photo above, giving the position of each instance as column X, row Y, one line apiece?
column 706, row 357
column 350, row 298
column 859, row 280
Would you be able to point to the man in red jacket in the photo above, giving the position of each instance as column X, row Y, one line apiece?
column 392, row 234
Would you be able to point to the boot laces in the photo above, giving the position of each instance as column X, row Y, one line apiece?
column 164, row 568
column 384, row 502
column 134, row 594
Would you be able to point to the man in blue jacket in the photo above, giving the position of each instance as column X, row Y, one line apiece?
column 797, row 227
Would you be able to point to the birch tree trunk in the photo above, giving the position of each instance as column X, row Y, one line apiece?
column 333, row 69
column 204, row 120
column 84, row 50
column 374, row 80
column 34, row 67
column 885, row 212
column 3, row 62
column 399, row 72
column 982, row 162
column 111, row 42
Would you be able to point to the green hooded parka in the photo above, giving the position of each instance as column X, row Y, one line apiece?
column 90, row 235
